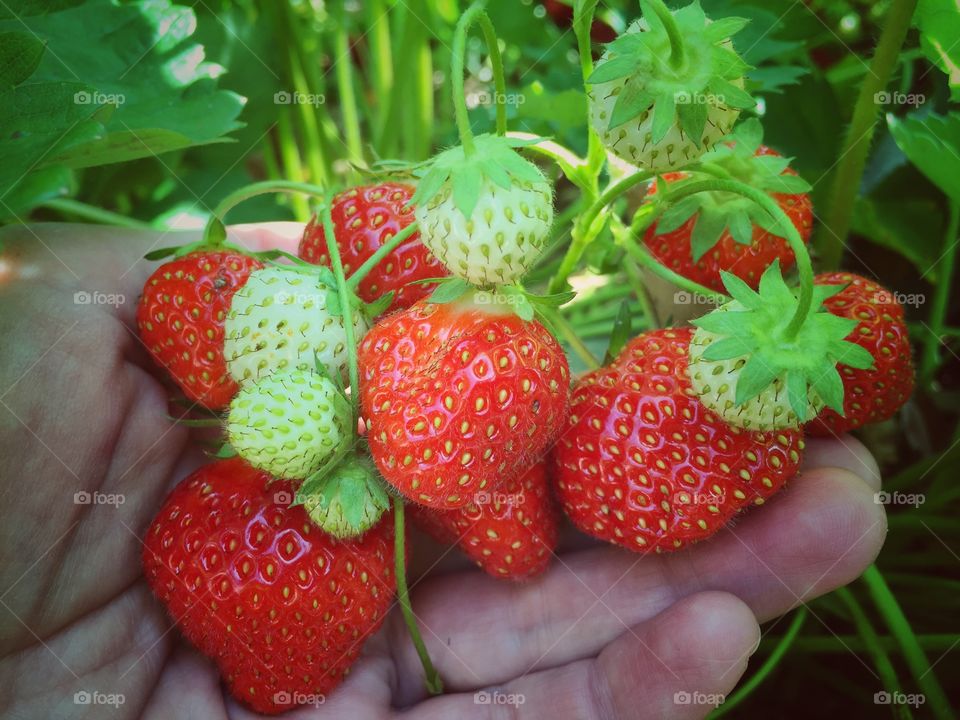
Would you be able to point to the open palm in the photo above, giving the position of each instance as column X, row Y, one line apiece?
column 604, row 634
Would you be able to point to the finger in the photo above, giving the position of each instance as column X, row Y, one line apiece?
column 818, row 534
column 679, row 664
column 846, row 452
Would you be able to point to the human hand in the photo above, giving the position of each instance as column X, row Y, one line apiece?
column 605, row 633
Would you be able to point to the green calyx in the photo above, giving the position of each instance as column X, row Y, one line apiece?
column 346, row 499
column 709, row 71
column 493, row 159
column 718, row 211
column 753, row 327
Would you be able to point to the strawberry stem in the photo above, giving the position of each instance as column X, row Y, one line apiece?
column 210, row 233
column 432, row 677
column 791, row 235
column 585, row 231
column 642, row 257
column 678, row 52
column 346, row 307
column 384, row 250
column 476, row 13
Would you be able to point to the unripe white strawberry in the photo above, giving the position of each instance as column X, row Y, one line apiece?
column 761, row 364
column 348, row 500
column 659, row 97
column 632, row 141
column 500, row 240
column 715, row 382
column 278, row 321
column 289, row 424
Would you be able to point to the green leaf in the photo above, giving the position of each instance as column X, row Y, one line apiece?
column 789, row 184
column 740, row 227
column 723, row 322
column 677, row 214
column 466, row 189
column 145, row 91
column 730, row 347
column 613, row 69
column 740, row 291
column 829, row 386
column 693, row 119
column 755, row 377
column 631, row 101
column 797, row 391
column 749, row 135
column 20, row 55
column 226, row 451
column 853, row 355
column 380, row 305
column 773, row 287
column 161, row 253
column 727, row 64
column 664, row 116
column 706, row 233
column 724, row 28
column 449, row 289
column 731, row 95
column 939, row 25
column 932, row 143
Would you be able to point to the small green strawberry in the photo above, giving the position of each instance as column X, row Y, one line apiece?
column 289, row 424
column 668, row 88
column 485, row 213
column 348, row 500
column 746, row 367
column 285, row 318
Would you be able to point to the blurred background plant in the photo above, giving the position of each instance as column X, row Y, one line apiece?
column 148, row 113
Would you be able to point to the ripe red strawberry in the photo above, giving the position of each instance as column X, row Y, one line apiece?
column 643, row 464
column 365, row 218
column 281, row 606
column 677, row 250
column 876, row 393
column 457, row 396
column 180, row 319
column 510, row 533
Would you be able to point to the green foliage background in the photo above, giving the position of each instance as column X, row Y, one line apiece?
column 147, row 113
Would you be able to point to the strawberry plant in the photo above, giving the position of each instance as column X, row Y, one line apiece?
column 638, row 271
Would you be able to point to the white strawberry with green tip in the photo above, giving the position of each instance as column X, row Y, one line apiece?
column 485, row 213
column 747, row 368
column 287, row 318
column 290, row 424
column 668, row 88
column 346, row 500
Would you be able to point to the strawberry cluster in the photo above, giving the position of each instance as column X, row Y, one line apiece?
column 398, row 360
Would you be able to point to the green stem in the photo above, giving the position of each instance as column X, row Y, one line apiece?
column 643, row 258
column 496, row 63
column 263, row 188
column 678, row 52
column 571, row 336
column 900, row 628
column 744, row 691
column 476, row 13
column 833, row 232
column 871, row 641
column 792, row 236
column 842, row 644
column 67, row 206
column 432, row 677
column 941, row 297
column 346, row 306
column 584, row 232
column 381, row 252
